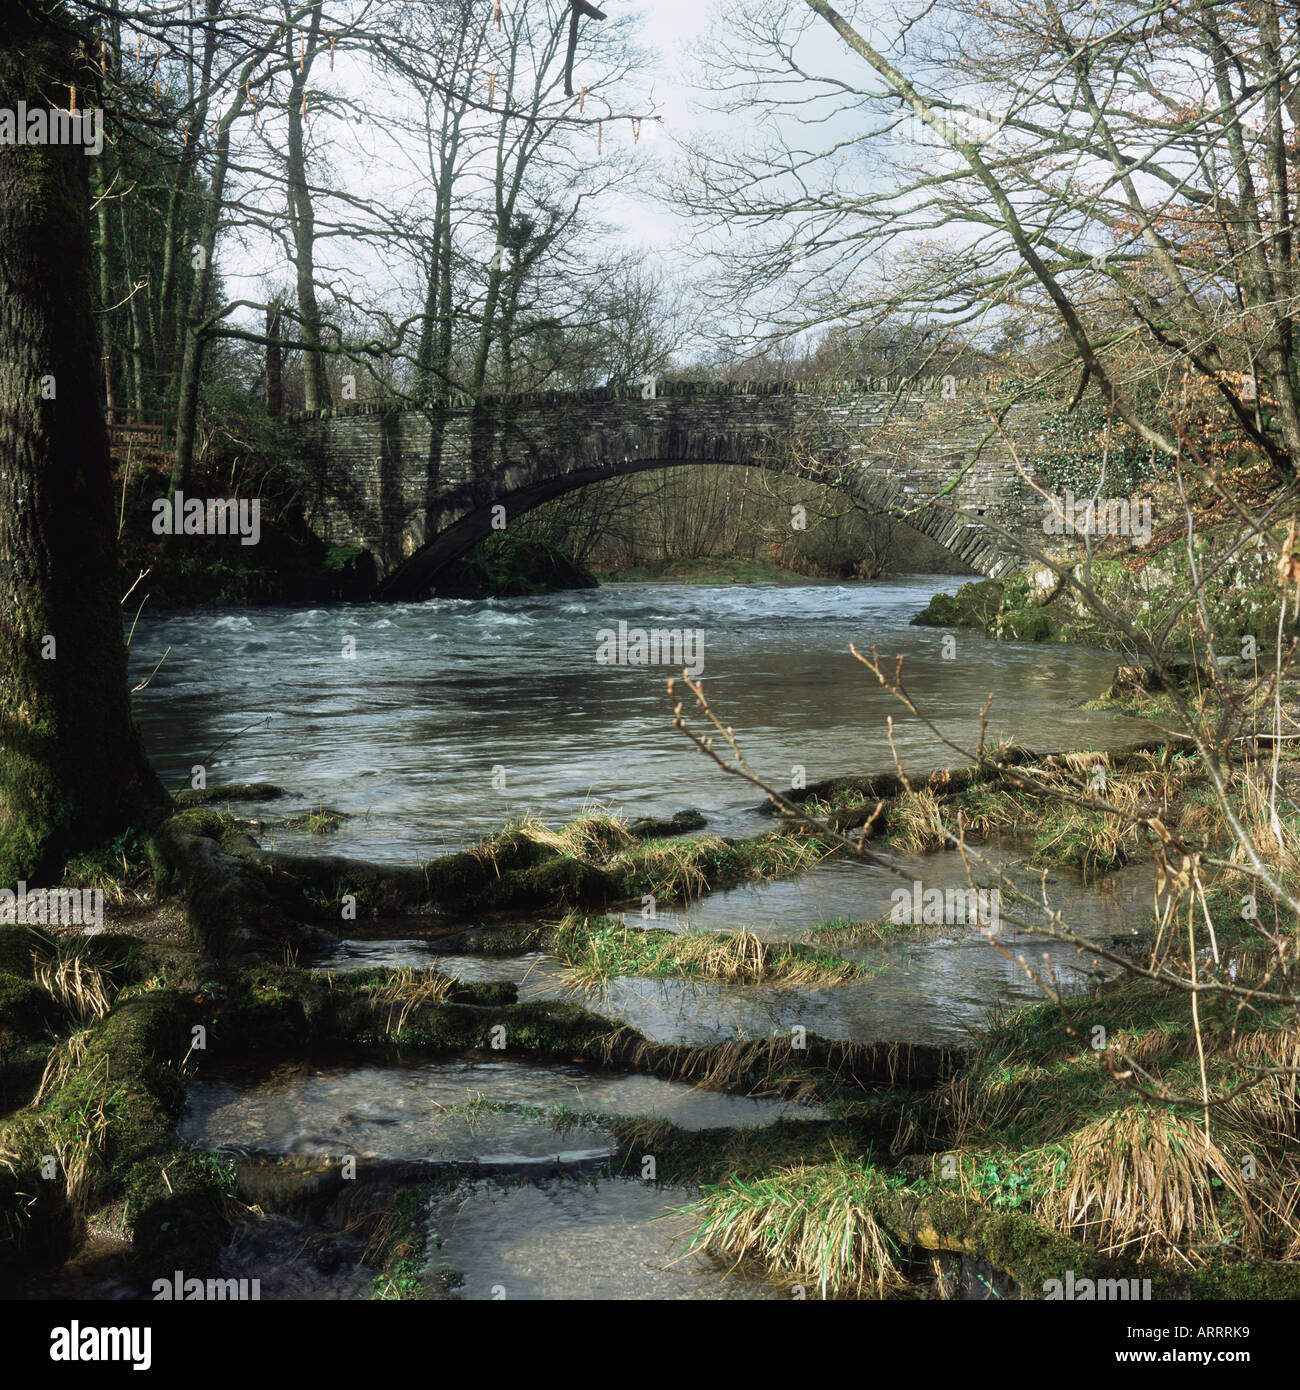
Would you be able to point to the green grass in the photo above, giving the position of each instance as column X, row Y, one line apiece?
column 600, row 948
column 840, row 931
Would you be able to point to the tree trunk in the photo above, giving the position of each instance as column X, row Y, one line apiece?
column 170, row 345
column 195, row 343
column 135, row 346
column 103, row 254
column 72, row 769
column 302, row 220
column 274, row 364
column 426, row 388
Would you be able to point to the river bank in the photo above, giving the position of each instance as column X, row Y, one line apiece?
column 953, row 1158
column 340, row 1015
column 1145, row 592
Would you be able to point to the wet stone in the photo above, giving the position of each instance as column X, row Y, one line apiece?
column 287, row 1261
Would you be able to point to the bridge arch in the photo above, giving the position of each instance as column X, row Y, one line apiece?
column 457, row 539
column 418, row 488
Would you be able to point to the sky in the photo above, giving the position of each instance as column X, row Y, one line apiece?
column 678, row 31
column 368, row 159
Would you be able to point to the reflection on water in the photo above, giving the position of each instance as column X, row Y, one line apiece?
column 407, row 735
column 613, row 1239
column 406, row 1112
column 1110, row 905
column 937, row 987
column 403, row 953
column 925, row 991
column 922, row 995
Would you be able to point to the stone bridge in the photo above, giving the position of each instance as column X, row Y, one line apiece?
column 417, row 487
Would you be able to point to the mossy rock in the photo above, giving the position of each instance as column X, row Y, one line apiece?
column 131, row 1052
column 1028, row 1251
column 1024, row 625
column 204, row 857
column 266, row 1008
column 504, row 939
column 26, row 1010
column 490, row 994
column 176, row 1212
column 973, row 605
column 234, row 791
column 134, row 962
column 716, row 1155
column 22, row 1064
column 17, row 945
column 1133, row 682
column 127, row 1075
column 559, row 882
column 35, row 1221
column 1243, row 1280
column 943, row 610
column 540, row 1028
column 662, row 827
column 548, row 1027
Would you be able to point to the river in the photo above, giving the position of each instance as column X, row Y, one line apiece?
column 407, row 734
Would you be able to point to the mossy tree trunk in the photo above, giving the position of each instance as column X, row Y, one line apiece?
column 72, row 769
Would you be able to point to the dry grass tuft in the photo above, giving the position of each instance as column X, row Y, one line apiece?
column 974, row 1102
column 770, row 1066
column 83, row 989
column 811, row 1225
column 405, row 990
column 1150, row 1183
column 914, row 822
column 64, row 1059
column 594, row 836
column 1276, row 836
column 1270, row 1109
column 1083, row 762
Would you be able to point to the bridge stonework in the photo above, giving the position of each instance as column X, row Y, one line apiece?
column 418, row 487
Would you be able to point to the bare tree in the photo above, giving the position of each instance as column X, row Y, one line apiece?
column 1072, row 157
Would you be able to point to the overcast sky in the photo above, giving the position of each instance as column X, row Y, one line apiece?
column 367, row 157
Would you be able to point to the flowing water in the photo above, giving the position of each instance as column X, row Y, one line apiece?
column 451, row 1111
column 612, row 1239
column 408, row 734
column 935, row 988
column 454, row 717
